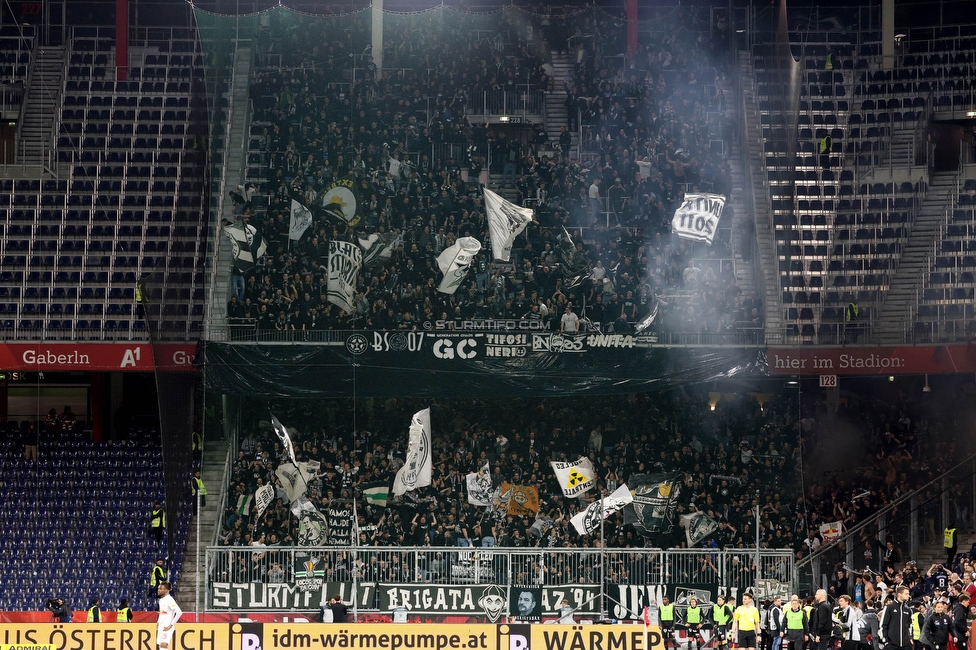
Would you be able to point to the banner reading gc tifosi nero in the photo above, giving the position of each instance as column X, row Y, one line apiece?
column 697, row 217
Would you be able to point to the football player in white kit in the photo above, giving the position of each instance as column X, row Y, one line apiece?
column 169, row 614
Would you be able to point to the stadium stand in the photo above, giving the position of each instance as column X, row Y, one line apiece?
column 127, row 204
column 89, row 534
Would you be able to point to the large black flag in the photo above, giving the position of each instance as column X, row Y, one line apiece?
column 655, row 500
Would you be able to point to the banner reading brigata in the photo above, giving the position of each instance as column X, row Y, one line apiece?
column 905, row 360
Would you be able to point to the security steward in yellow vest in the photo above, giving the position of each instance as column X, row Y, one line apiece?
column 949, row 543
column 693, row 621
column 157, row 576
column 157, row 522
column 721, row 615
column 666, row 615
column 196, row 445
column 123, row 614
column 197, row 487
column 797, row 631
column 94, row 614
column 918, row 620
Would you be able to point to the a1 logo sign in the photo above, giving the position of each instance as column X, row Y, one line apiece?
column 828, row 381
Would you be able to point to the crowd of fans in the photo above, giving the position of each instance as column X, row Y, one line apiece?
column 654, row 128
column 722, row 458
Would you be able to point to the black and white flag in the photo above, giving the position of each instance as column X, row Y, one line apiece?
column 697, row 217
column 571, row 261
column 345, row 260
column 454, row 262
column 415, row 472
column 698, row 526
column 378, row 247
column 505, row 222
column 479, row 486
column 247, row 244
column 588, row 520
column 294, row 479
column 284, row 437
column 655, row 503
column 301, row 219
column 313, row 528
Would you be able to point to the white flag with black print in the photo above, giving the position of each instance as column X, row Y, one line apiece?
column 263, row 497
column 697, row 217
column 415, row 472
column 294, row 479
column 698, row 526
column 454, row 262
column 313, row 528
column 479, row 486
column 574, row 478
column 505, row 222
column 379, row 247
column 588, row 520
column 345, row 260
column 247, row 244
column 301, row 219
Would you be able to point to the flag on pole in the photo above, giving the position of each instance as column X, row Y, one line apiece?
column 454, row 262
column 587, row 520
column 574, row 266
column 655, row 503
column 377, row 494
column 574, row 478
column 301, row 219
column 345, row 260
column 285, row 439
column 505, row 222
column 313, row 528
column 294, row 479
column 247, row 245
column 415, row 472
column 524, row 501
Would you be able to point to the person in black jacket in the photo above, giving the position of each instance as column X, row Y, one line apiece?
column 820, row 623
column 960, row 626
column 895, row 627
column 935, row 630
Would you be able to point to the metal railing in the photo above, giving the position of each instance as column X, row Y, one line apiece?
column 899, row 520
column 359, row 566
column 519, row 103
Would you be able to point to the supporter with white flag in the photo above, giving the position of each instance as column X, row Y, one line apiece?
column 454, row 262
column 505, row 222
column 415, row 472
column 294, row 479
column 588, row 520
column 574, row 478
column 301, row 219
column 285, row 439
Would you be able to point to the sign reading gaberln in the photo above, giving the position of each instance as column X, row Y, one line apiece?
column 697, row 217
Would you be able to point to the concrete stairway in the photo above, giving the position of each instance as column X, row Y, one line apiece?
column 193, row 578
column 736, row 158
column 42, row 101
column 557, row 116
column 765, row 235
column 894, row 316
column 235, row 152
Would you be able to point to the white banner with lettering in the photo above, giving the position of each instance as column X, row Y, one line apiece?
column 697, row 217
column 454, row 262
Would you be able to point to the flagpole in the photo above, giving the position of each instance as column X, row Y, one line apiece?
column 352, row 560
column 603, row 564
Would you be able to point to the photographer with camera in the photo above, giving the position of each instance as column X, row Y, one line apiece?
column 59, row 610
